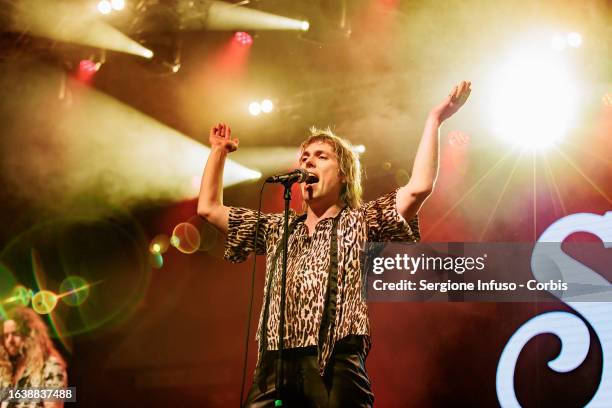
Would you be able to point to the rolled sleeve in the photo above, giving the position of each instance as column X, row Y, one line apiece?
column 241, row 233
column 385, row 223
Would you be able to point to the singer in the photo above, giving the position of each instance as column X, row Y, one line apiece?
column 327, row 333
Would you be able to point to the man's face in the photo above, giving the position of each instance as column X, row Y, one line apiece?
column 319, row 158
column 13, row 340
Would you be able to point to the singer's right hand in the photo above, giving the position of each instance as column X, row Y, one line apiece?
column 221, row 137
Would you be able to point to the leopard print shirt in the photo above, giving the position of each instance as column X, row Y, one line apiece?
column 307, row 269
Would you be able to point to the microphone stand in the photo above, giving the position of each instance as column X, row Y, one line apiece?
column 281, row 324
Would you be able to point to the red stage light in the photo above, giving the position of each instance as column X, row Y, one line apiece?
column 87, row 69
column 243, row 38
column 88, row 66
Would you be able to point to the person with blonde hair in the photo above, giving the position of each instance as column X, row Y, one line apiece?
column 28, row 358
column 326, row 326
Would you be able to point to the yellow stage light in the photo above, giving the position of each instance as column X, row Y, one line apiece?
column 533, row 99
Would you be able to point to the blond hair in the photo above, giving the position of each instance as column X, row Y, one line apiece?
column 348, row 162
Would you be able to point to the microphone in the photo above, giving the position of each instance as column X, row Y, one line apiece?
column 297, row 175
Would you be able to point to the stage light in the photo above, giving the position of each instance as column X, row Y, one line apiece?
column 105, row 7
column 607, row 100
column 254, row 108
column 558, row 42
column 532, row 99
column 266, row 106
column 243, row 38
column 118, row 4
column 305, row 25
column 359, row 149
column 40, row 18
column 89, row 67
column 574, row 39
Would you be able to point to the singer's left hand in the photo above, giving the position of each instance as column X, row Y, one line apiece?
column 453, row 102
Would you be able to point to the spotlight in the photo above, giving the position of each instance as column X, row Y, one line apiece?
column 89, row 67
column 118, row 4
column 266, row 106
column 558, row 42
column 359, row 149
column 105, row 7
column 243, row 38
column 254, row 108
column 574, row 39
column 533, row 99
column 305, row 25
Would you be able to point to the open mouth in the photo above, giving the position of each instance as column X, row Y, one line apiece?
column 312, row 179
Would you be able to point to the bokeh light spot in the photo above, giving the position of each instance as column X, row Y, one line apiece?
column 159, row 244
column 187, row 238
column 156, row 260
column 74, row 290
column 44, row 302
column 401, row 177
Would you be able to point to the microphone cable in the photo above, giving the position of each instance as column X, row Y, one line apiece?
column 250, row 314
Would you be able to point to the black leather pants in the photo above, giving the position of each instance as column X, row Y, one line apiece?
column 345, row 383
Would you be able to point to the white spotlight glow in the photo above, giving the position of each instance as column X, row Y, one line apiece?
column 105, row 7
column 267, row 106
column 254, row 108
column 574, row 39
column 305, row 25
column 147, row 53
column 360, row 149
column 118, row 4
column 533, row 99
column 558, row 42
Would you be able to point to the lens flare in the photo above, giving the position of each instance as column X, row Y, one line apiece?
column 401, row 177
column 44, row 302
column 186, row 238
column 156, row 260
column 159, row 244
column 20, row 295
column 74, row 290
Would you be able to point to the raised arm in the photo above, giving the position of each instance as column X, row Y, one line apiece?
column 210, row 201
column 411, row 197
